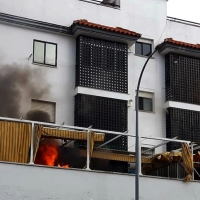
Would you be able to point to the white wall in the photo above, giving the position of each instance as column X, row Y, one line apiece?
column 183, row 32
column 147, row 17
column 17, row 45
column 30, row 183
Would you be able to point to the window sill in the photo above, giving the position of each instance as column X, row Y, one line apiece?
column 144, row 56
column 98, row 3
column 144, row 111
column 40, row 64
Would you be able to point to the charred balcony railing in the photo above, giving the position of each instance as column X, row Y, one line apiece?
column 93, row 157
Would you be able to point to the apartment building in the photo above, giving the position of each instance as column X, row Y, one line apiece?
column 79, row 61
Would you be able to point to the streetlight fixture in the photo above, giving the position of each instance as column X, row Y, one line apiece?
column 137, row 143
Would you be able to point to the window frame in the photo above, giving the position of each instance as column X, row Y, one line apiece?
column 45, row 102
column 45, row 42
column 142, row 43
column 144, row 95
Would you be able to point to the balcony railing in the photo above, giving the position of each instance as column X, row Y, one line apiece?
column 38, row 143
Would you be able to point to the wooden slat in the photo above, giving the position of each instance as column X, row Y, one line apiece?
column 113, row 156
column 73, row 135
column 15, row 140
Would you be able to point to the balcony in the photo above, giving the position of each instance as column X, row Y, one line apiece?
column 43, row 160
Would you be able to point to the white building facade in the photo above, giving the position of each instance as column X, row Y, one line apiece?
column 131, row 15
column 80, row 61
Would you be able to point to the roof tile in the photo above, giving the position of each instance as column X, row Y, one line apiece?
column 84, row 22
column 185, row 44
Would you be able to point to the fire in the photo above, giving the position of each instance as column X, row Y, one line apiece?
column 63, row 166
column 47, row 154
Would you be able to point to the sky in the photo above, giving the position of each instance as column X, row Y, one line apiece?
column 184, row 9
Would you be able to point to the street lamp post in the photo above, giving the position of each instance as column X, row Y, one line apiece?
column 137, row 144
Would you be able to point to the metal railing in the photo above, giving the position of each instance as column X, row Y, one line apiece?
column 87, row 130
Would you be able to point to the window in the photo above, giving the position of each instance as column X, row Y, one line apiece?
column 45, row 107
column 44, row 53
column 143, row 49
column 146, row 101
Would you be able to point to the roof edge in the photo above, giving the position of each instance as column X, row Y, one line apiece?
column 174, row 46
column 78, row 27
column 84, row 22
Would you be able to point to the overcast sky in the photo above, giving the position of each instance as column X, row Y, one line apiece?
column 184, row 9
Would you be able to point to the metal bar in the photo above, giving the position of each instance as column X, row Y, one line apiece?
column 197, row 173
column 177, row 171
column 195, row 148
column 109, row 141
column 32, row 138
column 66, row 143
column 192, row 160
column 137, row 146
column 157, row 146
column 63, row 126
column 86, row 129
column 181, row 148
column 193, row 169
column 42, row 140
column 139, row 158
column 147, row 144
column 168, row 171
column 167, row 139
column 88, row 149
column 141, row 142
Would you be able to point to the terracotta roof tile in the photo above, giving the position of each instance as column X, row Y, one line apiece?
column 84, row 22
column 171, row 41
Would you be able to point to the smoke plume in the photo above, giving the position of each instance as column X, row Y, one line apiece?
column 38, row 115
column 15, row 83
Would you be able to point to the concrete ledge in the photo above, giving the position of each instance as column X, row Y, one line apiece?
column 101, row 93
column 186, row 106
column 37, row 182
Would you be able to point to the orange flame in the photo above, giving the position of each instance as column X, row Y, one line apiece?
column 47, row 154
column 63, row 166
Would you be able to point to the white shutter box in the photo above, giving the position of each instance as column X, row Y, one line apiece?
column 146, row 94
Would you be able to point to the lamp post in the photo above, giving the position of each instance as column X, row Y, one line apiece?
column 137, row 143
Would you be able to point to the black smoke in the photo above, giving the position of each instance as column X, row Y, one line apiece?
column 38, row 115
column 15, row 83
